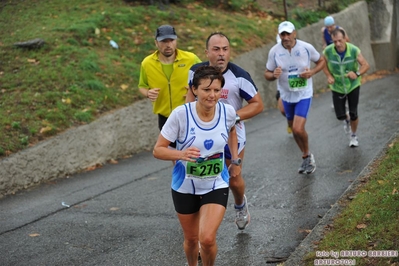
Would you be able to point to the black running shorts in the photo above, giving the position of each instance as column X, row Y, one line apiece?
column 189, row 203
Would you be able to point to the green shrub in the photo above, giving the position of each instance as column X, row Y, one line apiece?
column 24, row 140
column 16, row 125
column 94, row 85
column 84, row 116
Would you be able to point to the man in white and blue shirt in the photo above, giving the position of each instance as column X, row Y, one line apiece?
column 289, row 62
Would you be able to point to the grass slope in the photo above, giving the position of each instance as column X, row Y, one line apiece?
column 77, row 76
column 369, row 221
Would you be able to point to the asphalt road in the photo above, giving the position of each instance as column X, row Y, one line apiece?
column 122, row 214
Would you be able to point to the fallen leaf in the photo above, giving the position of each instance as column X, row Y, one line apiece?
column 45, row 129
column 380, row 182
column 394, row 191
column 34, row 234
column 361, row 226
column 329, row 226
column 138, row 40
column 91, row 168
column 31, row 60
column 307, row 231
column 112, row 161
column 67, row 100
column 45, row 122
column 124, row 87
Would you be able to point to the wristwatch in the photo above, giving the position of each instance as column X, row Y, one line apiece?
column 236, row 161
column 238, row 118
column 357, row 73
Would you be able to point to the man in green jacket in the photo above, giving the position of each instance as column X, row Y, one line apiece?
column 344, row 68
column 163, row 74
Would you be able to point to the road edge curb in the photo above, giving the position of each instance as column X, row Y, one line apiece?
column 307, row 244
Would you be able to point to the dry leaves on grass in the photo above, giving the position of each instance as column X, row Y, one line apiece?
column 44, row 130
column 361, row 226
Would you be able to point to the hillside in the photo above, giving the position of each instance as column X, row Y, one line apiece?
column 76, row 76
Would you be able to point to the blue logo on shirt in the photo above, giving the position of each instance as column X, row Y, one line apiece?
column 208, row 143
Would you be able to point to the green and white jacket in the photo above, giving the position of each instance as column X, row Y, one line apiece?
column 340, row 68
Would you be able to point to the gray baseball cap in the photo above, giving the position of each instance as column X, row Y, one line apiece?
column 165, row 32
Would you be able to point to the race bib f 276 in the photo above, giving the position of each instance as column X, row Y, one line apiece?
column 206, row 168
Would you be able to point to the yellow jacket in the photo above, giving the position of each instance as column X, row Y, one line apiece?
column 172, row 93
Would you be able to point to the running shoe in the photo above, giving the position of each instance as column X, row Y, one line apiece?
column 242, row 216
column 347, row 126
column 302, row 168
column 311, row 165
column 353, row 141
column 308, row 165
column 289, row 130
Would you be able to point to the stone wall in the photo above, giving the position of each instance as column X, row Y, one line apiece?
column 383, row 25
column 358, row 31
column 122, row 132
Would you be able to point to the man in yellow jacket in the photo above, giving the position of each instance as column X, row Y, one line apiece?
column 163, row 74
column 344, row 68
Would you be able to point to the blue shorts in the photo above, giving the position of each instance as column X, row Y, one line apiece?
column 300, row 108
column 227, row 153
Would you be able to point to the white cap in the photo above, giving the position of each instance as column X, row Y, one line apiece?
column 286, row 26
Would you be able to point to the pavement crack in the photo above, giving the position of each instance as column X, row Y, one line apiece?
column 80, row 202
